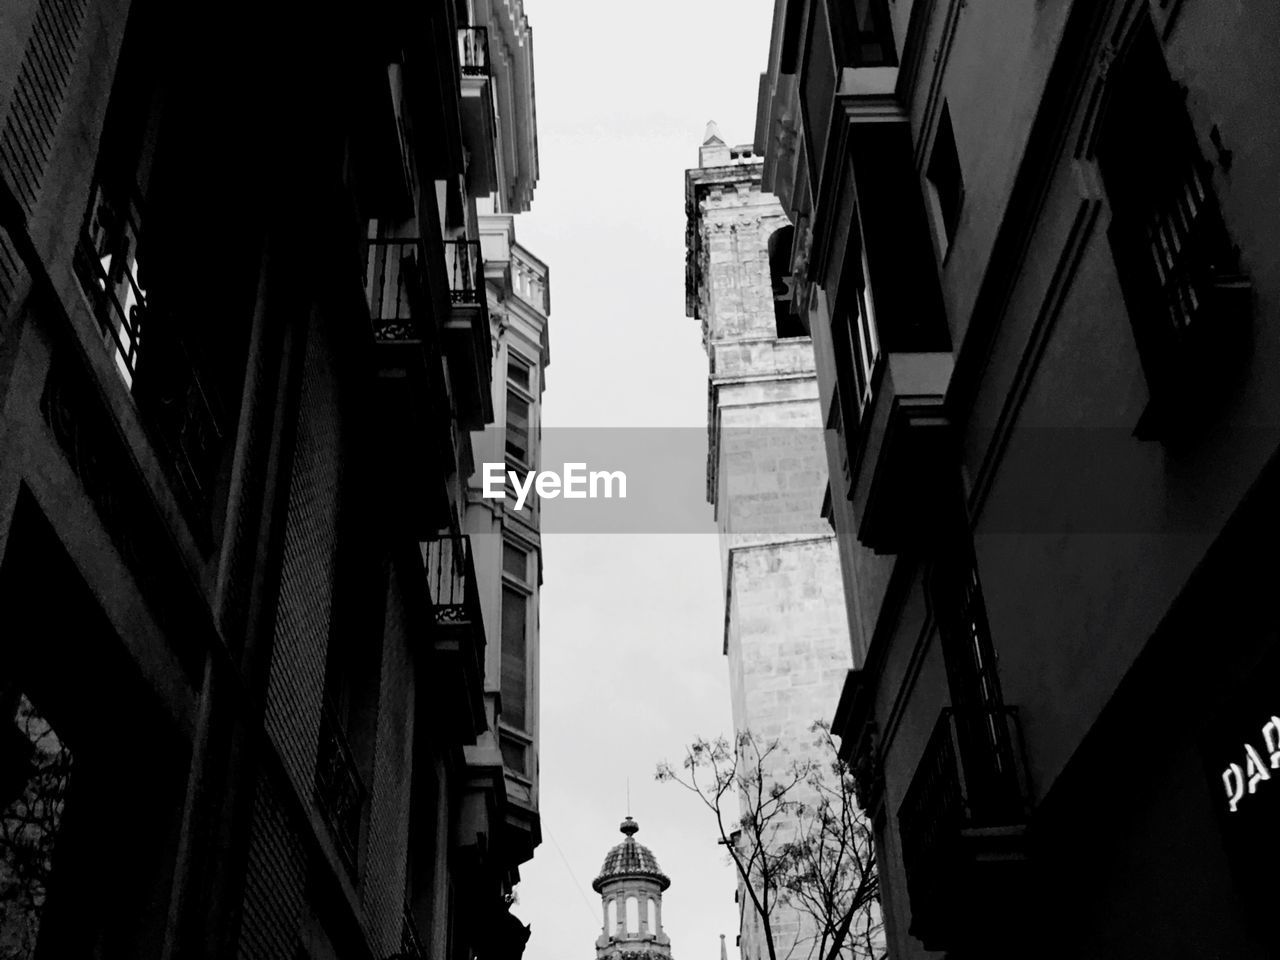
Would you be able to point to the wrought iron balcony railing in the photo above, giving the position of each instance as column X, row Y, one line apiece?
column 970, row 783
column 451, row 579
column 465, row 265
column 473, row 51
column 340, row 789
column 457, row 637
column 178, row 406
column 392, row 267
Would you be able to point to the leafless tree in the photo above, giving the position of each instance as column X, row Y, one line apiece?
column 28, row 828
column 796, row 839
column 829, row 866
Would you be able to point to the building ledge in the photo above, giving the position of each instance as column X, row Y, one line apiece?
column 902, row 452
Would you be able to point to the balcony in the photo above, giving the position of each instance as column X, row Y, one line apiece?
column 457, row 634
column 473, row 51
column 466, row 334
column 523, row 826
column 392, row 267
column 903, row 453
column 340, row 790
column 479, row 122
column 530, row 279
column 176, row 402
column 417, row 433
column 384, row 166
column 962, row 824
column 872, row 254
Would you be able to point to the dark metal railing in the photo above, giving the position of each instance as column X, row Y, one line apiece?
column 451, row 579
column 1186, row 246
column 473, row 51
column 340, row 789
column 391, row 268
column 465, row 264
column 958, row 786
column 178, row 407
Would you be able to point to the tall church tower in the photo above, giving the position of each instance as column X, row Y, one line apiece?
column 786, row 633
column 630, row 885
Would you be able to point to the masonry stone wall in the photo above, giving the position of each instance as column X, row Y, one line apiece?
column 786, row 631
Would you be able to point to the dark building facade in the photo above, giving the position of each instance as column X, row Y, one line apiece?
column 1035, row 245
column 244, row 342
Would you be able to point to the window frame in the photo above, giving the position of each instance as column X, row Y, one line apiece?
column 856, row 332
column 524, row 587
column 528, row 396
column 946, row 223
column 1175, row 262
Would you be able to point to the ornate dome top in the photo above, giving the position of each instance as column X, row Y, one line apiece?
column 630, row 859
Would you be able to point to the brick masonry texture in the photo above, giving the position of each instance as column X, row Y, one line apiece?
column 389, row 800
column 274, row 884
column 296, row 688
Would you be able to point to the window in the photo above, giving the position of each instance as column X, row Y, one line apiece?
column 515, row 612
column 944, row 176
column 1177, row 267
column 653, row 916
column 515, row 562
column 633, row 915
column 515, row 754
column 517, row 430
column 611, row 921
column 172, row 290
column 519, row 372
column 862, row 33
column 973, row 677
column 853, row 324
column 818, row 82
column 786, row 322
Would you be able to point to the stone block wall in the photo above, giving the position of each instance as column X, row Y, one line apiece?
column 786, row 629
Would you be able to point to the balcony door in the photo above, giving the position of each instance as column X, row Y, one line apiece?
column 982, row 729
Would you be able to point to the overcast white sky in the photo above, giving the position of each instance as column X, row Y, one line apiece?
column 631, row 625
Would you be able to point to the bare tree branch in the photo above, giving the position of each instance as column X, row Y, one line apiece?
column 798, row 841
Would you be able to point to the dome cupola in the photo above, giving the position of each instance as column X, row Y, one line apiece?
column 630, row 859
column 630, row 885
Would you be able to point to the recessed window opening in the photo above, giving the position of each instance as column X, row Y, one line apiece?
column 944, row 176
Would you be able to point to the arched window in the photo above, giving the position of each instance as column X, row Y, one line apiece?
column 633, row 915
column 611, row 927
column 653, row 916
column 788, row 324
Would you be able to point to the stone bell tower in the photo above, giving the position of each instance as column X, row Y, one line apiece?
column 786, row 631
column 630, row 885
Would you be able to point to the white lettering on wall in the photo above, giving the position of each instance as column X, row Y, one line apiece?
column 1238, row 780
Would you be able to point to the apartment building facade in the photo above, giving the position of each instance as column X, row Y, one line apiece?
column 1035, row 247
column 785, row 637
column 508, row 541
column 244, row 343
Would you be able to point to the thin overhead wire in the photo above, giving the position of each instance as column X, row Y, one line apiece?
column 573, row 876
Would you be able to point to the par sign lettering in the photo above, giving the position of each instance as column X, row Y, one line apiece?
column 1240, row 779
